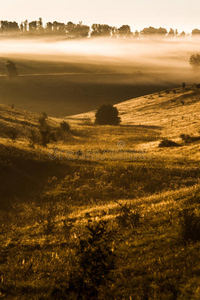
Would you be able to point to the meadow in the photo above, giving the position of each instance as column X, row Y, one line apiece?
column 146, row 199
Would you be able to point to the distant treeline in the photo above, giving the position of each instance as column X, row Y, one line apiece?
column 72, row 30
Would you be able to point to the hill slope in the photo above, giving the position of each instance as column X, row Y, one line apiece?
column 95, row 173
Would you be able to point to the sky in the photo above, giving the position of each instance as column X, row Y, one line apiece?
column 180, row 14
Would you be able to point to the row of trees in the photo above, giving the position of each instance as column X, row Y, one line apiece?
column 79, row 30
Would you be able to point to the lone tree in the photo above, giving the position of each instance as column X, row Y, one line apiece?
column 11, row 69
column 195, row 60
column 107, row 115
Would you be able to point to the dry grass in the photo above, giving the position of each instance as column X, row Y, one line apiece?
column 41, row 229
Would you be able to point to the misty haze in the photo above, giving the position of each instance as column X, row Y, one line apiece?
column 66, row 77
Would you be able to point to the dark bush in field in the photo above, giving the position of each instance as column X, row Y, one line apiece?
column 190, row 226
column 95, row 262
column 189, row 139
column 107, row 115
column 127, row 217
column 186, row 138
column 195, row 60
column 11, row 69
column 46, row 132
column 34, row 138
column 64, row 126
column 12, row 133
column 168, row 143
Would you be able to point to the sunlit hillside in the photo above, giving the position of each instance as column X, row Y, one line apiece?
column 88, row 174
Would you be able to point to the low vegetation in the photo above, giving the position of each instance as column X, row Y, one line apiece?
column 168, row 143
column 107, row 115
column 195, row 60
column 122, row 222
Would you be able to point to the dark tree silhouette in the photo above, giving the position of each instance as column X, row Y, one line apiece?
column 77, row 30
column 49, row 27
column 107, row 115
column 171, row 32
column 33, row 26
column 7, row 27
column 25, row 25
column 152, row 30
column 195, row 60
column 125, row 31
column 183, row 34
column 11, row 69
column 195, row 31
column 101, row 30
column 72, row 30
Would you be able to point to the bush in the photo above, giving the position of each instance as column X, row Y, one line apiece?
column 128, row 218
column 168, row 143
column 190, row 226
column 46, row 133
column 107, row 115
column 186, row 138
column 95, row 261
column 64, row 126
column 189, row 139
column 33, row 138
column 11, row 69
column 195, row 60
column 12, row 134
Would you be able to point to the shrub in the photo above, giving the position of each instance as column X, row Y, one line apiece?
column 128, row 218
column 96, row 260
column 168, row 143
column 42, row 119
column 64, row 126
column 186, row 138
column 68, row 224
column 107, row 115
column 189, row 139
column 33, row 138
column 46, row 133
column 183, row 85
column 190, row 226
column 12, row 133
column 11, row 69
column 195, row 60
column 49, row 224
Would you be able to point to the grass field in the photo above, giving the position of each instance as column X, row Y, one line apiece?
column 117, row 174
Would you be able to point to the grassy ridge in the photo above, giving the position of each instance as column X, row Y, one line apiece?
column 116, row 173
